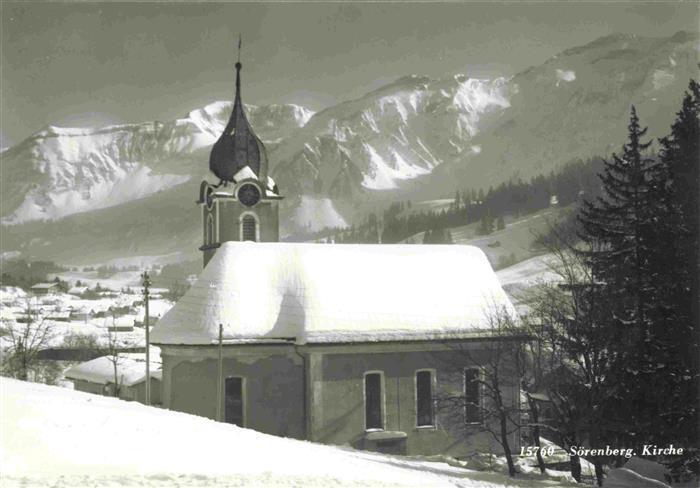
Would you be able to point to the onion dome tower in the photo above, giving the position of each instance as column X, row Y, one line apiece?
column 244, row 205
column 238, row 146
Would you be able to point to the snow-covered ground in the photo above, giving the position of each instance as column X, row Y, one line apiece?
column 530, row 272
column 52, row 436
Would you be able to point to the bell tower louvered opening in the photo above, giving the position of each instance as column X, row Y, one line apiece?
column 249, row 228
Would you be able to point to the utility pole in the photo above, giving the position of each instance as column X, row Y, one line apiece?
column 146, row 285
column 221, row 375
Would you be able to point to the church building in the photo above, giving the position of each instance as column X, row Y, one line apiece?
column 338, row 344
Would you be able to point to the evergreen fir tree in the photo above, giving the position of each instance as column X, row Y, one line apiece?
column 676, row 273
column 486, row 224
column 619, row 233
column 500, row 223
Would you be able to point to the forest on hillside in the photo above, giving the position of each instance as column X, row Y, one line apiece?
column 400, row 221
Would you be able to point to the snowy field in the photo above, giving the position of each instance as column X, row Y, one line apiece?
column 15, row 301
column 56, row 437
column 516, row 280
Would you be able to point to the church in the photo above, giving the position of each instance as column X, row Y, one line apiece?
column 337, row 344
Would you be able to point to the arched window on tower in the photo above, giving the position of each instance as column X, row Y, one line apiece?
column 249, row 228
column 209, row 238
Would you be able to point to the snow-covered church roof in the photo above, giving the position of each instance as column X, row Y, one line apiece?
column 320, row 293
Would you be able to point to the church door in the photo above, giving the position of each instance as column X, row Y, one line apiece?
column 234, row 401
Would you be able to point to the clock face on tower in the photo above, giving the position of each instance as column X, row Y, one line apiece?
column 248, row 194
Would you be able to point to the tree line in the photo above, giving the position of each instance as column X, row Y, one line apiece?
column 400, row 221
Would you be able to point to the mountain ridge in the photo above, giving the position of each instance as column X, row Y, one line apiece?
column 415, row 137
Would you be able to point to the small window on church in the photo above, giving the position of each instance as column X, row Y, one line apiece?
column 472, row 396
column 233, row 408
column 249, row 228
column 425, row 417
column 209, row 239
column 374, row 402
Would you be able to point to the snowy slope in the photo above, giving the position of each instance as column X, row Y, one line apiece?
column 313, row 214
column 51, row 436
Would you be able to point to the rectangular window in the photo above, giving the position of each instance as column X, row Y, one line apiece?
column 424, row 399
column 233, row 408
column 472, row 396
column 374, row 415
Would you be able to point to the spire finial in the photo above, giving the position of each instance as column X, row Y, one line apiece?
column 238, row 62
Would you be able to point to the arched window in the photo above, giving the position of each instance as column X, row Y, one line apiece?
column 209, row 238
column 249, row 228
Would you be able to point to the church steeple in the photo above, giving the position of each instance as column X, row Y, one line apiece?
column 244, row 204
column 238, row 146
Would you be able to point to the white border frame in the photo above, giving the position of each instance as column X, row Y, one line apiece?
column 433, row 401
column 244, row 399
column 382, row 406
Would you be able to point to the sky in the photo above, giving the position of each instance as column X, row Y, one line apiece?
column 95, row 64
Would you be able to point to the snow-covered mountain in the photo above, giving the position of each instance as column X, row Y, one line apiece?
column 415, row 138
column 577, row 103
column 58, row 172
column 400, row 132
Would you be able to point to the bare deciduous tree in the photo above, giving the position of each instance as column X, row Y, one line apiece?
column 490, row 373
column 26, row 339
column 112, row 349
column 568, row 356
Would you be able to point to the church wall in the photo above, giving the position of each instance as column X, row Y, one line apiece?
column 337, row 394
column 274, row 385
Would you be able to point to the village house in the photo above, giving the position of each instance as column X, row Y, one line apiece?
column 78, row 291
column 339, row 344
column 59, row 316
column 124, row 323
column 81, row 313
column 44, row 288
column 98, row 376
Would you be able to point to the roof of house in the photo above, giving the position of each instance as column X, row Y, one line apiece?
column 78, row 290
column 43, row 286
column 123, row 321
column 64, row 314
column 319, row 293
column 131, row 369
